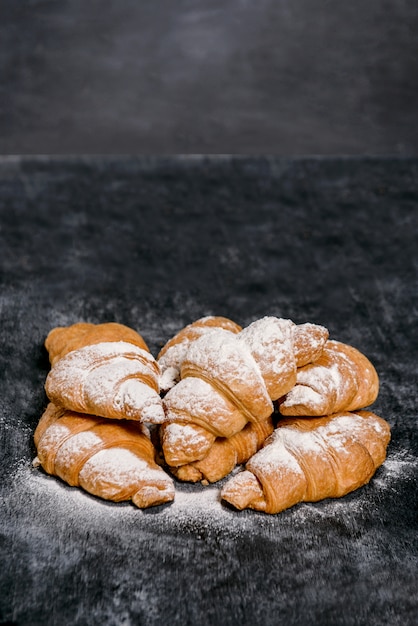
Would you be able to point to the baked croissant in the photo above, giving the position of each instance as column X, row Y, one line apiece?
column 341, row 379
column 231, row 379
column 110, row 459
column 172, row 354
column 64, row 339
column 226, row 453
column 105, row 370
column 309, row 459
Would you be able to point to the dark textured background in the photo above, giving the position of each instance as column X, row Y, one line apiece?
column 155, row 244
column 226, row 76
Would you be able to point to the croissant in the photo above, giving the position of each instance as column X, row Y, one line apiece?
column 309, row 459
column 110, row 459
column 105, row 370
column 64, row 339
column 226, row 453
column 341, row 379
column 172, row 354
column 231, row 379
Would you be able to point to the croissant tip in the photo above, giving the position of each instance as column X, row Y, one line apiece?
column 239, row 491
column 151, row 495
column 151, row 412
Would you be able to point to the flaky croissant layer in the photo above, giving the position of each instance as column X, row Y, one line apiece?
column 105, row 370
column 309, row 459
column 341, row 379
column 173, row 353
column 222, row 381
column 110, row 459
column 230, row 379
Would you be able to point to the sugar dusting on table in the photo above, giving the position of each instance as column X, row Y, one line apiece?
column 192, row 503
column 196, row 506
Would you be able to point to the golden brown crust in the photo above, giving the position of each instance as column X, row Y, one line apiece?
column 194, row 330
column 196, row 403
column 234, row 377
column 367, row 379
column 342, row 378
column 172, row 355
column 109, row 459
column 184, row 443
column 308, row 343
column 105, row 370
column 271, row 343
column 228, row 380
column 309, row 459
column 62, row 340
column 226, row 453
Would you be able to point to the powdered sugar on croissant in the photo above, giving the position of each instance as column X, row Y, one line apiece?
column 110, row 459
column 172, row 355
column 227, row 364
column 64, row 339
column 229, row 380
column 308, row 459
column 226, row 453
column 341, row 379
column 111, row 379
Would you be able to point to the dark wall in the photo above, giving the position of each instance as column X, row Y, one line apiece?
column 229, row 76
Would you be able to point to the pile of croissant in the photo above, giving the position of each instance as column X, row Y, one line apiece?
column 277, row 402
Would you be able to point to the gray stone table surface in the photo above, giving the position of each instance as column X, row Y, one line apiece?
column 155, row 244
column 191, row 76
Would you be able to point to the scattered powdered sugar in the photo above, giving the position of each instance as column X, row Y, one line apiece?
column 230, row 361
column 75, row 446
column 192, row 503
column 196, row 400
column 116, row 466
column 200, row 501
column 53, row 436
column 197, row 507
column 274, row 456
column 137, row 398
column 303, row 395
column 401, row 465
column 185, row 438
